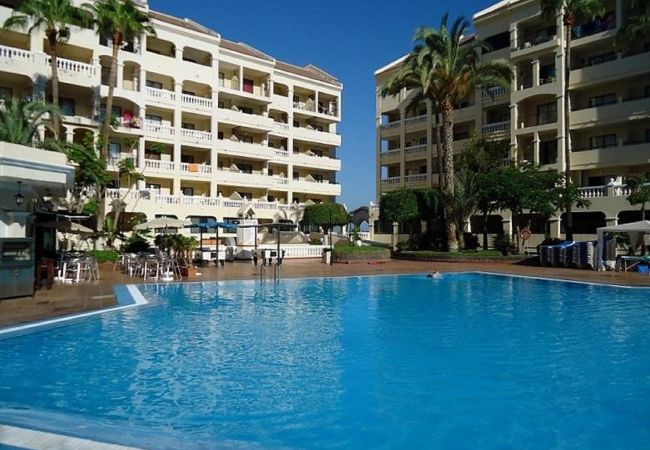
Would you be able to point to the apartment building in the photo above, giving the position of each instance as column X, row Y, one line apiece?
column 219, row 129
column 609, row 131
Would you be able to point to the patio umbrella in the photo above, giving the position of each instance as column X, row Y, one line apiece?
column 66, row 226
column 161, row 222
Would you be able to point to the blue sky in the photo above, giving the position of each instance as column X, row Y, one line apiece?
column 349, row 39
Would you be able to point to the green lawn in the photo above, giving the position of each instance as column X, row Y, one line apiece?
column 104, row 255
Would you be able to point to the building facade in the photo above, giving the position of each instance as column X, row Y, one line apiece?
column 609, row 132
column 219, row 129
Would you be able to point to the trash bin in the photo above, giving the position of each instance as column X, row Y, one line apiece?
column 327, row 256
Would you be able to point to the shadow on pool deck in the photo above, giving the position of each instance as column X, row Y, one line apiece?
column 69, row 299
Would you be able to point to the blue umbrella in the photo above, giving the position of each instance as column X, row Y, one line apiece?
column 209, row 224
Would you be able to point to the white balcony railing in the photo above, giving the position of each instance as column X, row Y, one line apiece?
column 391, row 153
column 160, row 95
column 389, row 181
column 159, row 129
column 201, row 169
column 415, row 178
column 492, row 92
column 390, row 125
column 69, row 65
column 196, row 135
column 155, row 164
column 415, row 120
column 593, row 191
column 415, row 149
column 15, row 53
column 496, row 127
column 196, row 102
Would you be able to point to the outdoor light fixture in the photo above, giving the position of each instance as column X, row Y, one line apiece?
column 47, row 200
column 20, row 198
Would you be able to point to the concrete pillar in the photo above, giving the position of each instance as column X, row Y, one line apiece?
column 554, row 227
column 611, row 221
column 619, row 13
column 120, row 75
column 514, row 118
column 536, row 148
column 142, row 79
column 140, row 158
column 69, row 134
column 514, row 36
column 179, row 54
column 535, row 68
column 430, row 140
column 507, row 226
column 395, row 236
column 371, row 229
column 241, row 78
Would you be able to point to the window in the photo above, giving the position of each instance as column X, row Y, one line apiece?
column 547, row 73
column 461, row 135
column 5, row 93
column 296, row 175
column 423, row 140
column 599, row 181
column 245, row 168
column 270, row 172
column 548, row 152
column 154, row 187
column 248, row 85
column 114, row 150
column 599, row 59
column 604, row 141
column 156, row 120
column 219, row 134
column 423, row 170
column 497, row 41
column 222, row 79
column 187, row 191
column 600, row 100
column 546, row 113
column 221, row 105
column 67, row 106
column 154, row 84
column 188, row 59
column 647, row 135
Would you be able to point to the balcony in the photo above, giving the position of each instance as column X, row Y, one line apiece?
column 613, row 70
column 253, row 179
column 260, row 93
column 159, row 166
column 315, row 187
column 528, row 46
column 313, row 135
column 281, row 127
column 159, row 130
column 196, row 136
column 311, row 107
column 415, row 180
column 628, row 109
column 415, row 121
column 390, row 127
column 495, row 128
column 239, row 118
column 195, row 102
column 415, row 150
column 68, row 66
column 245, row 149
column 495, row 94
column 315, row 161
column 194, row 169
column 623, row 154
column 391, row 154
column 391, row 181
column 160, row 95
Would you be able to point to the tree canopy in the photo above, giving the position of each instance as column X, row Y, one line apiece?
column 325, row 215
column 399, row 206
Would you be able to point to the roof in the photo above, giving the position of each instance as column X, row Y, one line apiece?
column 396, row 63
column 497, row 6
column 309, row 71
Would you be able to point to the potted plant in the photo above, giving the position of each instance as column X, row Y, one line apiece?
column 355, row 236
column 155, row 150
column 184, row 247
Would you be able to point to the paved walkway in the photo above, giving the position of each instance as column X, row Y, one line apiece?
column 70, row 299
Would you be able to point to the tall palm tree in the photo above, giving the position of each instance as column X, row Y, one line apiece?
column 54, row 16
column 122, row 21
column 445, row 68
column 571, row 12
column 20, row 120
column 636, row 25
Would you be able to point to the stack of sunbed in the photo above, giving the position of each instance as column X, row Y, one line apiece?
column 565, row 253
column 583, row 255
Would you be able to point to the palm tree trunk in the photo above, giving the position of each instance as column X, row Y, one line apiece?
column 51, row 37
column 485, row 230
column 108, row 114
column 567, row 148
column 447, row 174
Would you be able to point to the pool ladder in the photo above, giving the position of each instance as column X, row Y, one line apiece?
column 275, row 272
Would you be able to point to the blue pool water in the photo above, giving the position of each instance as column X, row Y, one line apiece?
column 465, row 361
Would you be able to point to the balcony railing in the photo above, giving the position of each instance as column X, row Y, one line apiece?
column 156, row 164
column 415, row 120
column 496, row 127
column 69, row 65
column 593, row 191
column 202, row 169
column 161, row 95
column 15, row 53
column 196, row 135
column 196, row 102
column 391, row 153
column 415, row 149
column 418, row 178
column 492, row 92
column 159, row 129
column 390, row 125
column 389, row 181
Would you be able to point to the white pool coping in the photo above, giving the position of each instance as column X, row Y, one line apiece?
column 42, row 440
column 136, row 299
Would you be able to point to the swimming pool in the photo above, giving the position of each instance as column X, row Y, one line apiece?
column 467, row 360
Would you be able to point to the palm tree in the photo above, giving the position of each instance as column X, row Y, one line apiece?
column 571, row 11
column 636, row 25
column 54, row 16
column 20, row 120
column 445, row 68
column 122, row 21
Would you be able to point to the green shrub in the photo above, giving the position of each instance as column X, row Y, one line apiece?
column 103, row 256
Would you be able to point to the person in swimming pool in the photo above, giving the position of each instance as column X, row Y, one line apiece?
column 434, row 274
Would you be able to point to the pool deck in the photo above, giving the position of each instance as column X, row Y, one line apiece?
column 64, row 300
